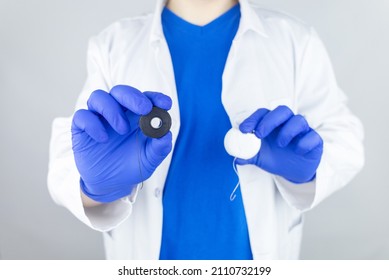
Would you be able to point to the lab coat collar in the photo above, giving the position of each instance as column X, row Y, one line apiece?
column 249, row 21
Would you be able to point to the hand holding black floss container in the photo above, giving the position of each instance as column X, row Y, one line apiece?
column 156, row 124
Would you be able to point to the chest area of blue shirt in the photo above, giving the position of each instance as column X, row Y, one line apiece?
column 200, row 222
column 199, row 56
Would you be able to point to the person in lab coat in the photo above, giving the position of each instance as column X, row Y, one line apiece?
column 215, row 65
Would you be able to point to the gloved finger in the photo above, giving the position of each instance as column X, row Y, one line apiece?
column 240, row 161
column 159, row 99
column 157, row 149
column 293, row 127
column 309, row 142
column 87, row 121
column 132, row 99
column 105, row 105
column 249, row 124
column 254, row 160
column 272, row 120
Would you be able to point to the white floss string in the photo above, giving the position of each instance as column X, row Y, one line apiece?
column 243, row 146
column 139, row 155
column 233, row 194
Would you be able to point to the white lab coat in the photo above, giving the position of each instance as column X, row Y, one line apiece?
column 274, row 59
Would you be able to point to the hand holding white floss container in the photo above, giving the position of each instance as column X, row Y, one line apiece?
column 241, row 145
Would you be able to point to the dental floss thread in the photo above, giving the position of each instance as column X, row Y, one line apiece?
column 240, row 145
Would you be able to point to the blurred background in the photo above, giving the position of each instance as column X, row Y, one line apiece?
column 42, row 70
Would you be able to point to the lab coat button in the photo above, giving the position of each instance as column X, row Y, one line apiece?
column 157, row 192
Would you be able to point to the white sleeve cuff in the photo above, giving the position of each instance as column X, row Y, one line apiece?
column 299, row 196
column 105, row 217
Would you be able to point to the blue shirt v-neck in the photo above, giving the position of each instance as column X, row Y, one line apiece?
column 199, row 220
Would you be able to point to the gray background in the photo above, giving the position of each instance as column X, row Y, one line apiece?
column 42, row 69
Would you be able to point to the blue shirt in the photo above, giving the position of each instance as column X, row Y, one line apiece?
column 199, row 220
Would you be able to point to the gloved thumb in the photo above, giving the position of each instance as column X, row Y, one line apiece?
column 240, row 161
column 157, row 149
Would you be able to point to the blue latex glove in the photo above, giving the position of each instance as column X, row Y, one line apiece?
column 290, row 148
column 111, row 153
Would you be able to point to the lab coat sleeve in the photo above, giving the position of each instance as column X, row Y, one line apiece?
column 63, row 176
column 319, row 99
